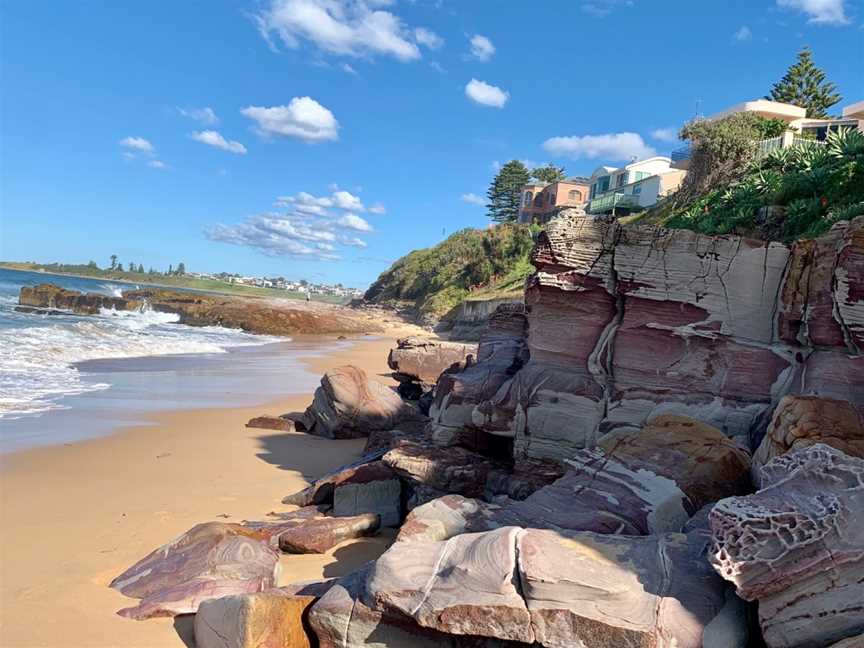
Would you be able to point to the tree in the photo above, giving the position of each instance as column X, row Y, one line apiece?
column 140, row 268
column 170, row 269
column 113, row 262
column 804, row 85
column 505, row 192
column 549, row 173
column 92, row 264
column 181, row 268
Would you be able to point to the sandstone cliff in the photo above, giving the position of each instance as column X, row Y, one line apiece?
column 626, row 322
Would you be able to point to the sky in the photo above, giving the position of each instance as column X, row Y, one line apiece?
column 324, row 139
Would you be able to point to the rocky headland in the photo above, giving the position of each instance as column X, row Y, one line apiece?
column 268, row 316
column 663, row 447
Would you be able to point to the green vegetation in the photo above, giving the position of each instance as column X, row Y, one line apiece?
column 505, row 192
column 549, row 173
column 804, row 85
column 470, row 263
column 173, row 280
column 792, row 193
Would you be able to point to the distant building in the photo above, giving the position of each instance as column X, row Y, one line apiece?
column 542, row 201
column 634, row 187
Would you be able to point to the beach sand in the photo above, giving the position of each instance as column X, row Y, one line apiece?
column 75, row 516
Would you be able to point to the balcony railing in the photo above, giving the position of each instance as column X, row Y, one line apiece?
column 612, row 201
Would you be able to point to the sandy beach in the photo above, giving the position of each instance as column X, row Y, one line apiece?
column 76, row 515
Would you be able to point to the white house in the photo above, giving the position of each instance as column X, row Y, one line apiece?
column 634, row 187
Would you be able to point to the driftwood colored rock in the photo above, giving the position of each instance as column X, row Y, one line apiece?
column 210, row 560
column 319, row 535
column 445, row 517
column 321, row 490
column 797, row 546
column 372, row 488
column 801, row 421
column 417, row 362
column 349, row 405
column 266, row 620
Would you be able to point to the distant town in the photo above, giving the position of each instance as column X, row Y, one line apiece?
column 281, row 283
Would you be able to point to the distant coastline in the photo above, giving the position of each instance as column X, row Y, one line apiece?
column 178, row 283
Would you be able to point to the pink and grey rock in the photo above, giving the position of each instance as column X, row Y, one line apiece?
column 319, row 535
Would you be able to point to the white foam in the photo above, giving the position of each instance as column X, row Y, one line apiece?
column 37, row 362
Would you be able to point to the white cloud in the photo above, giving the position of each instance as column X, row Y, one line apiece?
column 612, row 146
column 473, row 199
column 485, row 94
column 820, row 12
column 350, row 70
column 602, row 8
column 353, row 241
column 345, row 200
column 354, row 222
column 137, row 144
column 215, row 139
column 377, row 208
column 743, row 34
column 157, row 164
column 665, row 134
column 344, row 27
column 303, row 118
column 204, row 115
column 482, row 48
column 428, row 38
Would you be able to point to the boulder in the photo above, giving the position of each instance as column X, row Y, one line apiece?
column 463, row 586
column 558, row 589
column 372, row 488
column 603, row 495
column 445, row 517
column 704, row 463
column 418, row 362
column 801, row 421
column 210, row 560
column 54, row 297
column 584, row 589
column 266, row 422
column 265, row 620
column 349, row 405
column 319, row 535
column 432, row 471
column 797, row 546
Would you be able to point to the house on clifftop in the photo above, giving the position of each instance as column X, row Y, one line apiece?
column 541, row 201
column 637, row 186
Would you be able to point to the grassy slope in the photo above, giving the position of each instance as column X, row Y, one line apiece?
column 471, row 263
column 164, row 281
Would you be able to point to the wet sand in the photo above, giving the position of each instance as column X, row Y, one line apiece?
column 74, row 516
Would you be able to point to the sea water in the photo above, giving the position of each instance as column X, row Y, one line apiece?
column 65, row 377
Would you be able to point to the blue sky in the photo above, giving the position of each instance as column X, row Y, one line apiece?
column 323, row 139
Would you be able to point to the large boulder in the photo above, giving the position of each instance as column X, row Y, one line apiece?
column 801, row 421
column 556, row 589
column 319, row 535
column 445, row 517
column 418, row 362
column 210, row 560
column 265, row 620
column 349, row 405
column 322, row 489
column 797, row 546
column 372, row 488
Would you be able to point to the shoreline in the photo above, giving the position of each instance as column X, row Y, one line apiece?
column 76, row 515
column 226, row 292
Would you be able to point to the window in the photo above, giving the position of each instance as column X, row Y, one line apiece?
column 640, row 175
column 637, row 190
column 538, row 200
column 621, row 180
column 526, row 202
column 574, row 195
column 603, row 184
column 552, row 198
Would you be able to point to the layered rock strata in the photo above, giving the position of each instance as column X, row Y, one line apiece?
column 624, row 323
column 417, row 363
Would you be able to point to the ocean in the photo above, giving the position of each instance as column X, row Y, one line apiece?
column 67, row 377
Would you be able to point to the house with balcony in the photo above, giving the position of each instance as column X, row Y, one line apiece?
column 635, row 187
column 801, row 129
column 542, row 201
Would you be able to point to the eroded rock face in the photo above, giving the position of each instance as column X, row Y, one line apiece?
column 373, row 488
column 628, row 322
column 266, row 620
column 210, row 560
column 50, row 296
column 801, row 421
column 348, row 405
column 797, row 546
column 419, row 362
column 558, row 589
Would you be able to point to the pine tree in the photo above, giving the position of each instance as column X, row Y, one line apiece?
column 505, row 192
column 140, row 268
column 181, row 268
column 170, row 269
column 113, row 262
column 804, row 85
column 549, row 173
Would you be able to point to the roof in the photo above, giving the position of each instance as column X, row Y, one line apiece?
column 766, row 108
column 855, row 111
